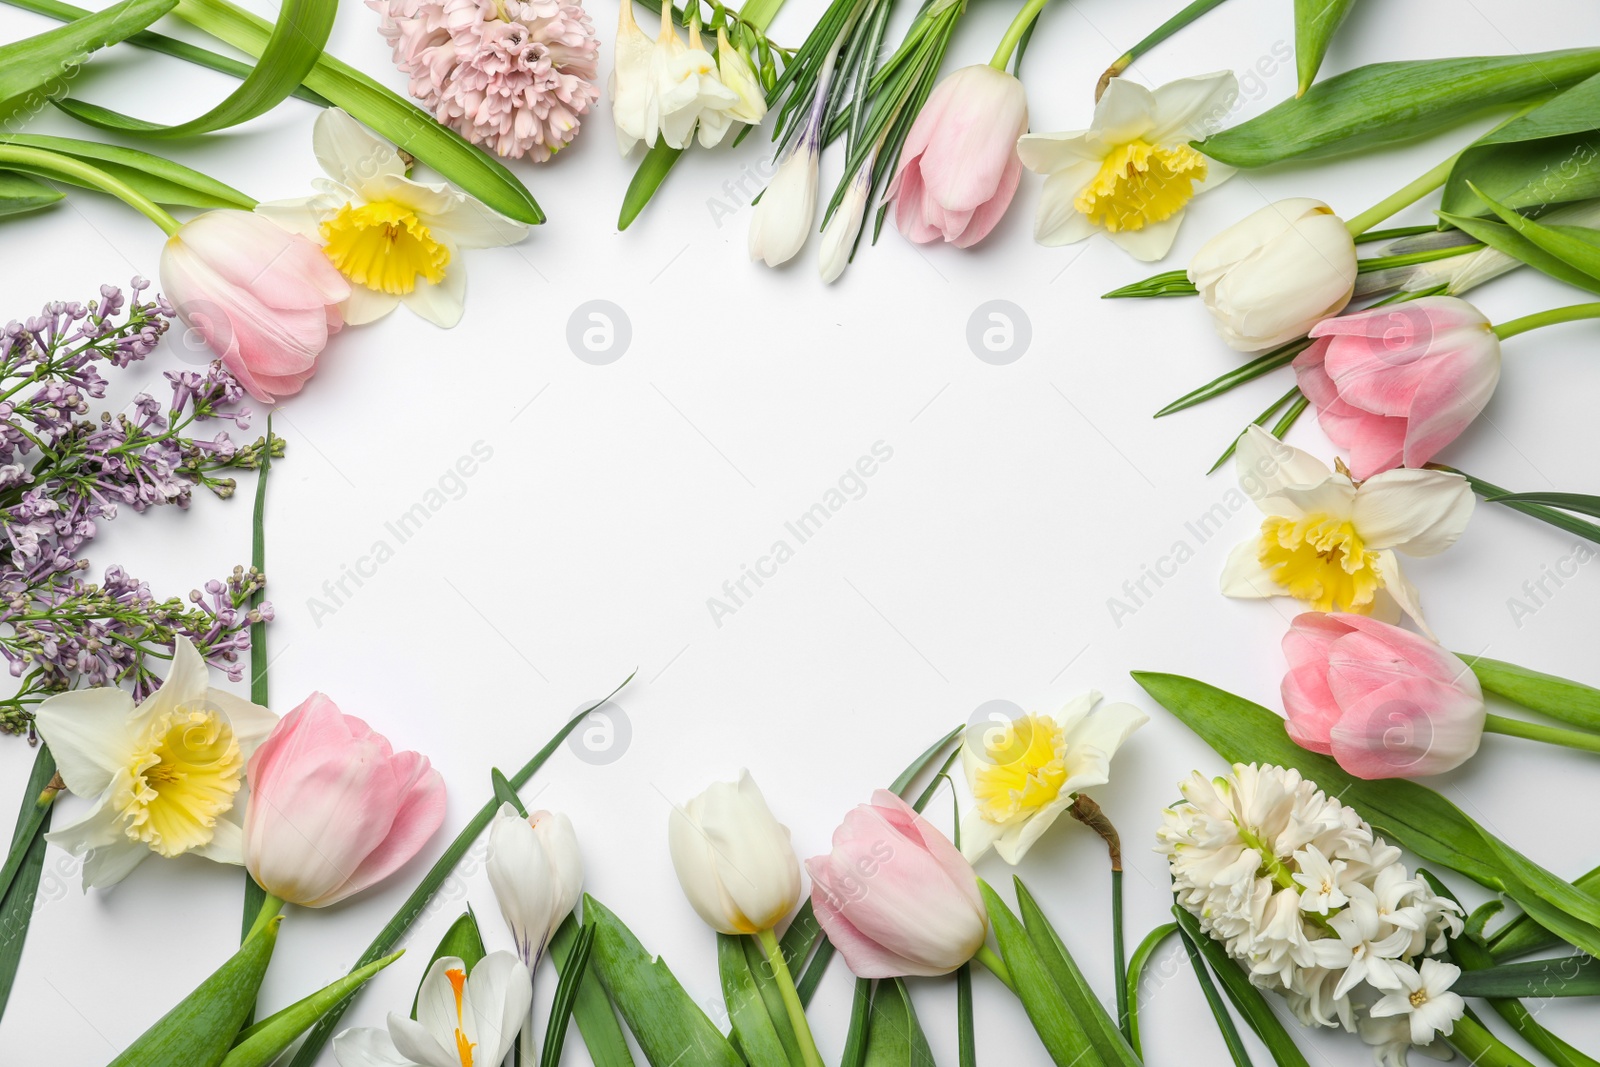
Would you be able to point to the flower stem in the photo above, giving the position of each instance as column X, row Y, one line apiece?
column 270, row 907
column 1014, row 32
column 1155, row 37
column 997, row 966
column 1481, row 1048
column 1402, row 198
column 791, row 998
column 1570, row 313
column 66, row 166
column 1538, row 731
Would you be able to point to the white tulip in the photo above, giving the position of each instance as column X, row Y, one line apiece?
column 733, row 859
column 839, row 232
column 1272, row 276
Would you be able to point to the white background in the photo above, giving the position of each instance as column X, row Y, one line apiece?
column 977, row 565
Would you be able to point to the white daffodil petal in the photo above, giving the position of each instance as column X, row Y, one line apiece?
column 1075, row 711
column 1048, row 153
column 1418, row 512
column 1399, row 587
column 1019, row 837
column 1150, row 242
column 1244, row 577
column 467, row 223
column 251, row 723
column 499, row 993
column 349, row 153
column 1058, row 221
column 187, row 683
column 226, row 844
column 978, row 835
column 441, row 304
column 1105, row 731
column 1125, row 113
column 367, row 1046
column 87, row 731
column 1191, row 108
column 366, row 305
column 1265, row 465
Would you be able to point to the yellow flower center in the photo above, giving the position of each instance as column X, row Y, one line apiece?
column 458, row 980
column 1140, row 183
column 1023, row 767
column 1321, row 561
column 180, row 779
column 384, row 246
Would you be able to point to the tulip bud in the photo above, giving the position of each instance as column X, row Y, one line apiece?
column 1272, row 276
column 536, row 872
column 1382, row 701
column 733, row 859
column 333, row 808
column 1394, row 385
column 895, row 896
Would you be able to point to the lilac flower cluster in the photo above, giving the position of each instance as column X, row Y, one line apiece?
column 63, row 471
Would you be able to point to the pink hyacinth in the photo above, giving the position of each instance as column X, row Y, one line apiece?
column 514, row 77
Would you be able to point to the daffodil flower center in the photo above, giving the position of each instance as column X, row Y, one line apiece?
column 1023, row 767
column 384, row 246
column 458, row 981
column 1139, row 184
column 179, row 779
column 1321, row 561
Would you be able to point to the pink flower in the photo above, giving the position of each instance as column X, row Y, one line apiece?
column 1394, row 385
column 513, row 76
column 263, row 299
column 960, row 168
column 895, row 896
column 333, row 809
column 1382, row 701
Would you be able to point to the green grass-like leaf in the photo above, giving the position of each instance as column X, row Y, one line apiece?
column 653, row 170
column 1136, row 964
column 895, row 1037
column 1577, row 246
column 1569, row 976
column 1058, row 1027
column 591, row 1007
column 567, row 993
column 19, row 879
column 264, row 1042
column 1506, row 239
column 1219, row 1010
column 1110, row 1046
column 1543, row 512
column 1250, row 1002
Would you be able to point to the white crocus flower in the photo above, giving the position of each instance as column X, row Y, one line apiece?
column 163, row 775
column 463, row 1020
column 536, row 872
column 1423, row 996
column 1132, row 173
column 1333, row 543
column 394, row 239
column 1025, row 773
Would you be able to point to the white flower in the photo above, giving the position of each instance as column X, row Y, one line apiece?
column 463, row 1020
column 781, row 219
column 839, row 233
column 1424, row 995
column 536, row 872
column 668, row 89
column 1323, row 881
column 1024, row 774
column 1131, row 174
column 163, row 775
column 632, row 86
column 1332, row 543
column 1272, row 276
column 1390, row 1040
column 1365, row 947
column 394, row 239
column 733, row 859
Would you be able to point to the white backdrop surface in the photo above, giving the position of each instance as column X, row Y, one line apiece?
column 1010, row 504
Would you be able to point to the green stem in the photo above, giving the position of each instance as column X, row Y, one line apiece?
column 270, row 907
column 56, row 163
column 791, row 998
column 760, row 13
column 1014, row 32
column 254, row 895
column 1119, row 956
column 1538, row 731
column 1155, row 37
column 997, row 966
column 1570, row 313
column 1481, row 1048
column 1402, row 198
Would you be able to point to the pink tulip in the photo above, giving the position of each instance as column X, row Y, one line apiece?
column 1382, row 701
column 895, row 896
column 265, row 300
column 333, row 808
column 1394, row 385
column 959, row 167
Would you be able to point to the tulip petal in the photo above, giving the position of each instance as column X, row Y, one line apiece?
column 89, row 736
column 1308, row 699
column 865, row 957
column 418, row 818
column 1413, row 726
column 991, row 211
column 1418, row 512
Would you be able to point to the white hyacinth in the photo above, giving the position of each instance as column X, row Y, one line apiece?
column 1312, row 903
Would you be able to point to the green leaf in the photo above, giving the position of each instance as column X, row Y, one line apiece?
column 1578, row 246
column 664, row 1019
column 161, row 180
column 464, row 941
column 653, row 170
column 1570, row 976
column 591, row 1008
column 1248, row 1001
column 1167, row 283
column 1109, row 1044
column 1315, row 23
column 1045, row 1002
column 966, row 1029
column 1504, row 238
column 1219, row 1010
column 1582, row 503
column 1553, row 516
column 1560, row 698
column 747, row 1008
column 417, row 903
column 1545, row 156
column 1266, row 363
column 200, row 1030
column 32, row 69
column 387, row 113
column 855, row 1038
column 896, row 1038
column 20, row 193
column 294, row 47
column 568, row 990
column 1413, row 815
column 1386, row 103
column 772, row 995
column 1136, row 965
column 265, row 1041
column 504, row 793
column 19, row 880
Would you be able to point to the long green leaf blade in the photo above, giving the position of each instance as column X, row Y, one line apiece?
column 1080, row 998
column 1315, row 23
column 1577, row 246
column 1219, row 1010
column 1554, row 516
column 161, row 180
column 1504, row 238
column 591, row 1008
column 1136, row 965
column 19, row 882
column 20, row 193
column 1055, row 1023
column 896, row 1038
column 266, row 1040
column 653, row 170
column 758, row 1037
column 1248, row 1001
column 463, row 940
column 1545, row 156
column 29, row 67
column 1569, row 976
column 1560, row 698
column 566, row 999
column 1582, row 503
